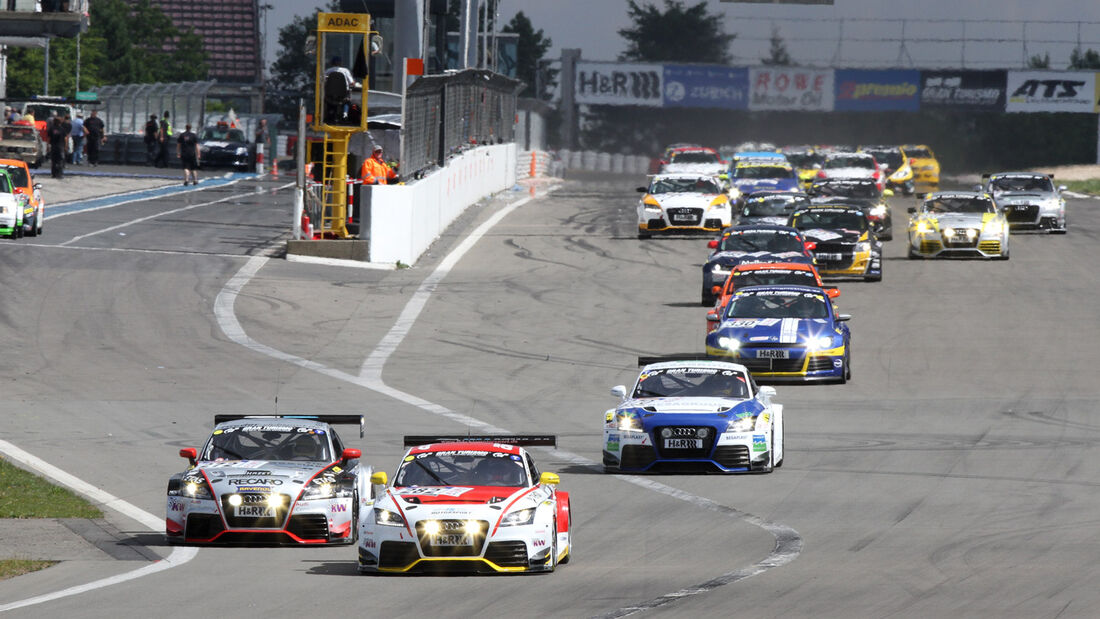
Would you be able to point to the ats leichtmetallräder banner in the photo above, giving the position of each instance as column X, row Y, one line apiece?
column 1051, row 91
column 619, row 83
column 706, row 87
column 877, row 90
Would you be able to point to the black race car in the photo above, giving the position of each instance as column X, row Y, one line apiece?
column 224, row 146
column 861, row 192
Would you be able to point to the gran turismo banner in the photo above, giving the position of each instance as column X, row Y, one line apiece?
column 791, row 88
column 706, row 86
column 867, row 90
column 963, row 89
column 1051, row 91
column 619, row 83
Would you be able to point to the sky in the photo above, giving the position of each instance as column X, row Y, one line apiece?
column 812, row 33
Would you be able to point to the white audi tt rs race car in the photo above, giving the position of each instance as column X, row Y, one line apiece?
column 465, row 504
column 685, row 203
column 285, row 479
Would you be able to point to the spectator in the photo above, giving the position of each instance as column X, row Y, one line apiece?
column 152, row 128
column 77, row 135
column 58, row 138
column 375, row 171
column 94, row 133
column 187, row 149
column 164, row 135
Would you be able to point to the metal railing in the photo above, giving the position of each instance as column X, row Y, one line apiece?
column 447, row 114
column 127, row 107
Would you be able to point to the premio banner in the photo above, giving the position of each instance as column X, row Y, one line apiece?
column 1051, row 91
column 619, row 83
column 972, row 90
column 703, row 86
column 790, row 88
column 871, row 90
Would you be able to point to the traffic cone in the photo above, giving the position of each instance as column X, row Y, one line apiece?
column 275, row 168
column 307, row 227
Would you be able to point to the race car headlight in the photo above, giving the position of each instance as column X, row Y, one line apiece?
column 387, row 518
column 949, row 232
column 194, row 485
column 822, row 342
column 729, row 343
column 519, row 517
column 628, row 422
column 741, row 424
column 992, row 225
column 863, row 247
column 971, row 232
column 651, row 203
column 241, row 151
column 878, row 210
column 924, row 227
column 720, row 269
column 321, row 487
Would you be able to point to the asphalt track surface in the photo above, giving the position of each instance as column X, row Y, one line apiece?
column 955, row 475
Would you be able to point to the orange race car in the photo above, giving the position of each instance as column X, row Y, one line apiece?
column 35, row 209
column 764, row 273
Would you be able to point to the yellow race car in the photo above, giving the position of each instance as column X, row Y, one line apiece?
column 926, row 169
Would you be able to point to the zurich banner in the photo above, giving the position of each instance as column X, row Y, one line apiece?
column 869, row 90
column 706, row 86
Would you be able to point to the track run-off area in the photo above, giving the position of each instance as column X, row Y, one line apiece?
column 954, row 474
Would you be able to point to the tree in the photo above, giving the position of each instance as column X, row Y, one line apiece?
column 778, row 56
column 531, row 49
column 1090, row 59
column 678, row 34
column 1039, row 62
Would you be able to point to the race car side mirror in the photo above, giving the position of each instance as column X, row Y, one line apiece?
column 379, row 478
column 712, row 316
column 641, row 190
column 977, row 188
column 619, row 391
column 713, row 243
column 844, row 317
column 832, row 293
column 1060, row 187
column 549, row 479
column 767, row 391
column 715, row 289
column 351, row 454
column 39, row 186
column 889, row 193
column 190, row 453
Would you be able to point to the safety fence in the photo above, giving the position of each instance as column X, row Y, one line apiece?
column 125, row 108
column 448, row 114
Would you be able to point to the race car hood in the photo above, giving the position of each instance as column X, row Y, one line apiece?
column 961, row 220
column 454, row 495
column 849, row 173
column 770, row 330
column 775, row 220
column 693, row 168
column 750, row 185
column 731, row 258
column 1018, row 197
column 822, row 234
column 681, row 199
column 259, row 475
column 681, row 406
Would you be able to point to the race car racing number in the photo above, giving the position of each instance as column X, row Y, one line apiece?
column 255, row 511
column 773, row 354
column 452, row 539
column 683, row 217
column 830, row 257
column 683, row 443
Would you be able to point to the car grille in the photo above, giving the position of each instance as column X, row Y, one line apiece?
column 453, row 526
column 203, row 526
column 960, row 241
column 1022, row 213
column 309, row 526
column 655, row 224
column 833, row 256
column 930, row 247
column 684, row 432
column 637, row 456
column 397, row 554
column 990, row 247
column 507, row 554
column 732, row 456
column 236, row 522
column 683, row 216
column 819, row 364
column 794, row 364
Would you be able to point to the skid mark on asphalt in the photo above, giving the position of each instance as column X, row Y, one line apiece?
column 179, row 555
column 788, row 543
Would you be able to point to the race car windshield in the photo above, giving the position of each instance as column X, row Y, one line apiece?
column 685, row 185
column 695, row 157
column 766, row 277
column 804, row 160
column 891, row 157
column 778, row 305
column 830, row 220
column 692, row 382
column 462, row 468
column 959, row 205
column 18, row 175
column 225, row 135
column 771, row 241
column 18, row 133
column 850, row 162
column 771, row 206
column 919, row 153
column 866, row 191
column 762, row 171
column 1036, row 184
column 268, row 443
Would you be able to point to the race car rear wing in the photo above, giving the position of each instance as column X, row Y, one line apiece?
column 545, row 440
column 359, row 420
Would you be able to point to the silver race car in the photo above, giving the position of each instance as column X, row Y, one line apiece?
column 958, row 223
column 1029, row 200
column 274, row 479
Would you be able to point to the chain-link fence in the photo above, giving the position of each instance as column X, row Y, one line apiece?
column 125, row 108
column 446, row 114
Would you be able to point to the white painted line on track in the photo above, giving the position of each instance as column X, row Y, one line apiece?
column 141, row 195
column 179, row 555
column 171, row 212
column 788, row 542
column 272, row 250
column 336, row 262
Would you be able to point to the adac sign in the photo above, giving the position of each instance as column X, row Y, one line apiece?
column 1051, row 91
column 343, row 22
column 859, row 90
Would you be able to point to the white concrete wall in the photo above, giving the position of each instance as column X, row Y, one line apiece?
column 406, row 219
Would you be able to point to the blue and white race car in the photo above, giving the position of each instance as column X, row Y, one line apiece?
column 693, row 416
column 784, row 333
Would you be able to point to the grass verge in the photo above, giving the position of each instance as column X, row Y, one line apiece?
column 10, row 568
column 1090, row 186
column 25, row 495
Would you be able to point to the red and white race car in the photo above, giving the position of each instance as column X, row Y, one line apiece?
column 474, row 504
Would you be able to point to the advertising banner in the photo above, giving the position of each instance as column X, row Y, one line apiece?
column 619, row 83
column 868, row 90
column 791, row 88
column 1051, row 91
column 966, row 89
column 702, row 86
